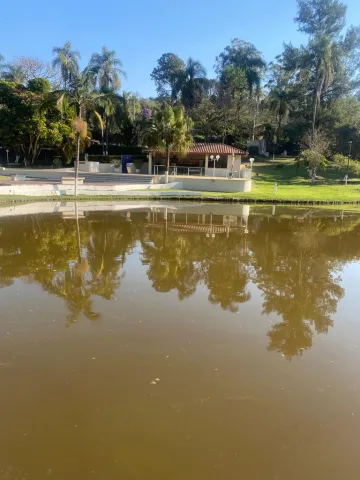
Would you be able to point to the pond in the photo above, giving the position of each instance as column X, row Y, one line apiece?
column 179, row 341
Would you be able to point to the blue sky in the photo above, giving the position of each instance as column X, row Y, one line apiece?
column 142, row 30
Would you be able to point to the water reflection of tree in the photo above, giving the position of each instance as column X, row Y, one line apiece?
column 73, row 286
column 227, row 271
column 180, row 261
column 72, row 260
column 295, row 262
column 172, row 262
column 297, row 265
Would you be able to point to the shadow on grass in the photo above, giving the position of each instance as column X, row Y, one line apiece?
column 290, row 174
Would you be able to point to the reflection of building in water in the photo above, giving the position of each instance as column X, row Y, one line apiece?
column 208, row 223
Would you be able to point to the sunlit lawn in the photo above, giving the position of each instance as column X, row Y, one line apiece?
column 293, row 184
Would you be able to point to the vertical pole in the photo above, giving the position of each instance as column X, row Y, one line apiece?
column 77, row 164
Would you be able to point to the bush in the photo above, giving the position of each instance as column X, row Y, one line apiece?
column 39, row 85
column 57, row 163
column 342, row 162
column 116, row 161
column 313, row 160
column 253, row 151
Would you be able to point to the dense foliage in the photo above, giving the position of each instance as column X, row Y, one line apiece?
column 306, row 90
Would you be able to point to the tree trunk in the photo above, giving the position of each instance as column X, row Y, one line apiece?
column 102, row 136
column 77, row 162
column 317, row 96
column 255, row 117
column 107, row 136
column 314, row 118
column 254, row 127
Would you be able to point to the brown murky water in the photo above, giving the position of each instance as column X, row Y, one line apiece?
column 180, row 342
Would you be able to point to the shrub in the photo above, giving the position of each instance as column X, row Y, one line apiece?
column 319, row 143
column 313, row 160
column 57, row 163
column 343, row 162
column 116, row 161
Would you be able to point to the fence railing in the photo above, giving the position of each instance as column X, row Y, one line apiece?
column 178, row 170
column 200, row 171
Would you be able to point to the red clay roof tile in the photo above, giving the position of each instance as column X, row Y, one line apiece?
column 210, row 149
column 215, row 149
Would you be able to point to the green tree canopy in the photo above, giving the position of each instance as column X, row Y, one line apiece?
column 168, row 76
column 245, row 57
column 169, row 131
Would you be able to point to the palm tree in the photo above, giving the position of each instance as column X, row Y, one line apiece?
column 108, row 69
column 247, row 59
column 280, row 103
column 68, row 61
column 170, row 132
column 194, row 83
column 81, row 96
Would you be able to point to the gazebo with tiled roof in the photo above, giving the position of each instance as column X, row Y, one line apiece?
column 198, row 158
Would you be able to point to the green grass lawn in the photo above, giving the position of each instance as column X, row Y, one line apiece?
column 293, row 184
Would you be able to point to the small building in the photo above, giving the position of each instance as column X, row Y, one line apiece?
column 200, row 161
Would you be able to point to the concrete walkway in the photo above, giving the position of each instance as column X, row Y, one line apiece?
column 55, row 176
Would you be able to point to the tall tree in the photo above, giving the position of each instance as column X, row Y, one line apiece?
column 81, row 96
column 321, row 17
column 107, row 70
column 245, row 57
column 24, row 69
column 324, row 56
column 194, row 83
column 248, row 60
column 67, row 60
column 280, row 98
column 168, row 76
